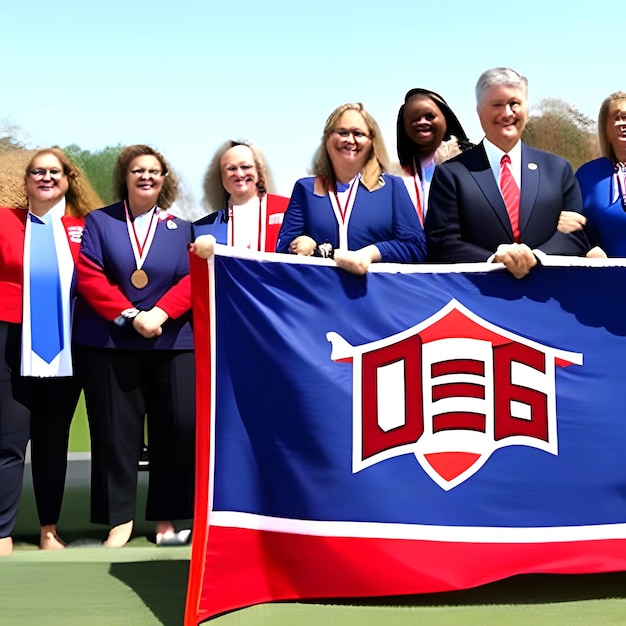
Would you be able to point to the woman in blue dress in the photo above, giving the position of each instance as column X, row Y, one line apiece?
column 603, row 181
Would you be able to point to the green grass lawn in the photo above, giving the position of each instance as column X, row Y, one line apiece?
column 142, row 584
column 79, row 431
column 145, row 585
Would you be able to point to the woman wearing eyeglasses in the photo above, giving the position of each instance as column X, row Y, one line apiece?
column 39, row 244
column 243, row 213
column 352, row 210
column 135, row 348
column 603, row 181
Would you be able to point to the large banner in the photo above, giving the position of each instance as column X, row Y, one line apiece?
column 417, row 429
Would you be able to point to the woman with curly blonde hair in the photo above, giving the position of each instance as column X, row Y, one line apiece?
column 39, row 246
column 238, row 192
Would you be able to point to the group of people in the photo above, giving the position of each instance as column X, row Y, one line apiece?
column 448, row 201
column 126, row 340
column 100, row 300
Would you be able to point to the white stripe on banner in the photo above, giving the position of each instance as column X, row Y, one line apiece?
column 450, row 534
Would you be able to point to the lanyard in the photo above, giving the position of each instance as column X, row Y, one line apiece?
column 342, row 213
column 140, row 249
column 260, row 230
column 418, row 194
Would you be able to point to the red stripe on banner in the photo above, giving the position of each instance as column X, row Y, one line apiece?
column 459, row 420
column 202, row 342
column 458, row 390
column 246, row 567
column 457, row 366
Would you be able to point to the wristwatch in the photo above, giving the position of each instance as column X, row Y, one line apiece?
column 126, row 317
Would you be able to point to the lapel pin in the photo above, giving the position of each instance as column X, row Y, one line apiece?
column 171, row 224
column 532, row 166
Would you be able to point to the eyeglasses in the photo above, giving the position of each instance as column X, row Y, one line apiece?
column 141, row 172
column 344, row 133
column 41, row 172
column 233, row 168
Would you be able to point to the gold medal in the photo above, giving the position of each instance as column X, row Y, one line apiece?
column 139, row 279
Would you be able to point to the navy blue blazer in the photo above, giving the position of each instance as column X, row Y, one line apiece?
column 105, row 265
column 467, row 219
column 384, row 217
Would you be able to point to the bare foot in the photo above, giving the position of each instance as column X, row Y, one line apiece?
column 164, row 531
column 119, row 535
column 49, row 540
column 6, row 546
column 164, row 527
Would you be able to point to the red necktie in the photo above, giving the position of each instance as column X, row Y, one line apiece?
column 510, row 194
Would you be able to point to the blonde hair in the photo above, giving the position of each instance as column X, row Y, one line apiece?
column 80, row 197
column 378, row 161
column 603, row 116
column 215, row 195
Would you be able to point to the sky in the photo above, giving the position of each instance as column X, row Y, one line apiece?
column 186, row 76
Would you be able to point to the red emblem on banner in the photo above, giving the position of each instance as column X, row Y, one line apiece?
column 451, row 390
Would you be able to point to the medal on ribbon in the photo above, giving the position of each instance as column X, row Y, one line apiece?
column 139, row 278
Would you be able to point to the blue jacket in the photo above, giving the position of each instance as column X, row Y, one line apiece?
column 105, row 266
column 602, row 205
column 384, row 217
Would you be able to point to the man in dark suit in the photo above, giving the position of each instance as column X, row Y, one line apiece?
column 501, row 200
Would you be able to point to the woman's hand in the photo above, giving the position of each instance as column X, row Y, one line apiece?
column 303, row 245
column 149, row 323
column 203, row 246
column 596, row 253
column 357, row 261
column 570, row 221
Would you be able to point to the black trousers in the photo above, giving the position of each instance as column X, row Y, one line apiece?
column 122, row 387
column 14, row 428
column 52, row 403
column 39, row 408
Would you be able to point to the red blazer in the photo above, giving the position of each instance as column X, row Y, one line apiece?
column 12, row 232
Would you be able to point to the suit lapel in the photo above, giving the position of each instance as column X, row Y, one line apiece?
column 481, row 171
column 529, row 186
